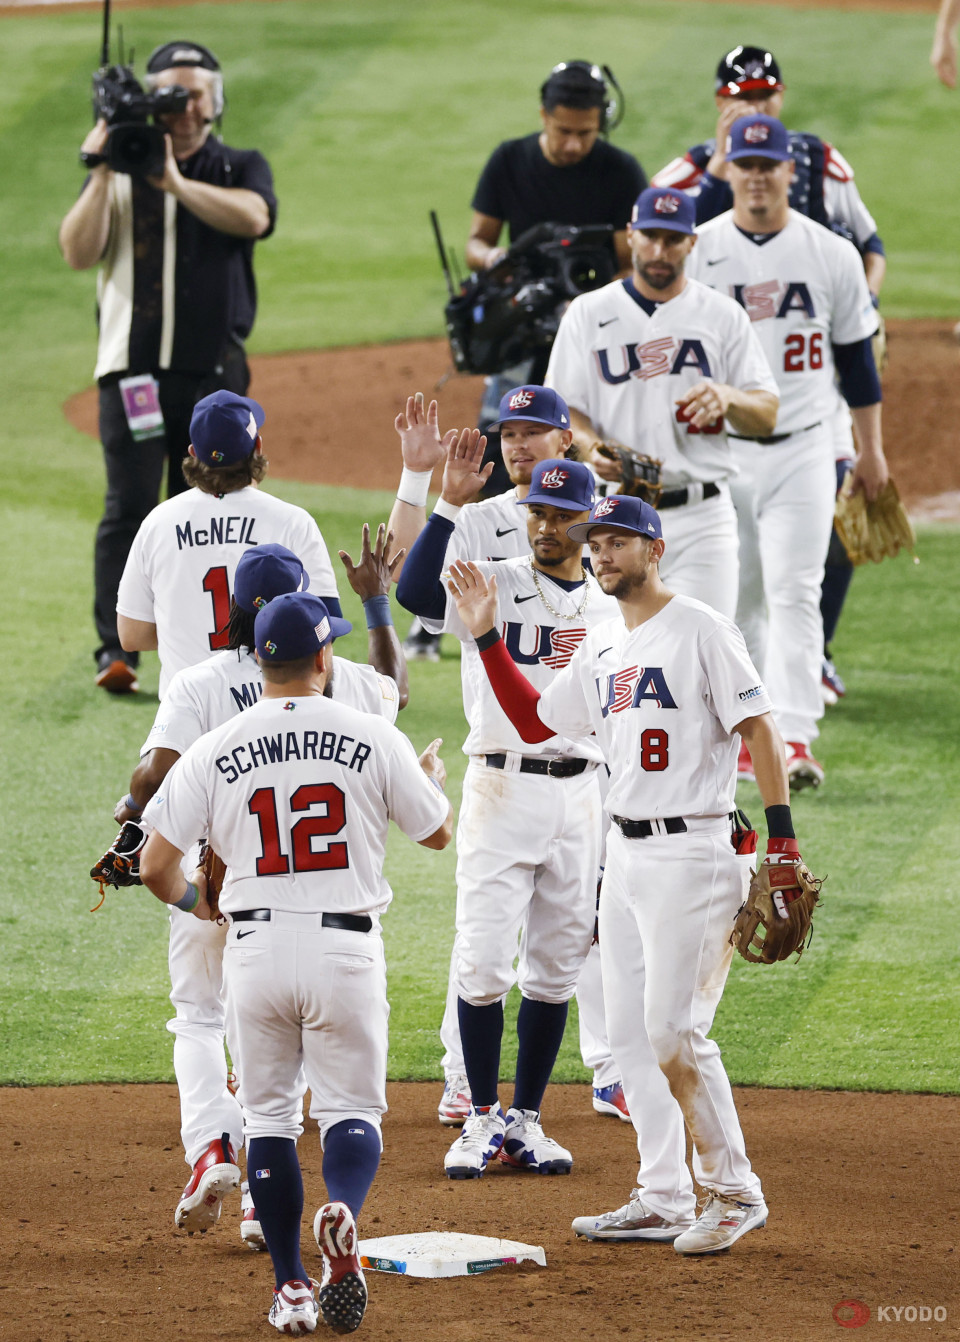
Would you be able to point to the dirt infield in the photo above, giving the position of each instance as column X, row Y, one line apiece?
column 330, row 412
column 862, row 1208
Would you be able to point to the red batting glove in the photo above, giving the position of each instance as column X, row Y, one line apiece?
column 782, row 850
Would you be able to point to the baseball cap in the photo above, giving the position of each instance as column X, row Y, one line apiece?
column 661, row 207
column 294, row 625
column 173, row 54
column 266, row 571
column 224, row 428
column 623, row 511
column 745, row 69
column 758, row 136
column 538, row 405
column 562, row 484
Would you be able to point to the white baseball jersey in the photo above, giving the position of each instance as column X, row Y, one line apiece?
column 295, row 795
column 493, row 529
column 540, row 644
column 200, row 698
column 179, row 573
column 625, row 370
column 663, row 700
column 803, row 289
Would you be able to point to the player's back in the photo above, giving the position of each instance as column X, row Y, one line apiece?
column 179, row 575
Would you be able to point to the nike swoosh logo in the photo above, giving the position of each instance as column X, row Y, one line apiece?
column 249, row 933
column 608, row 321
column 605, row 651
column 717, row 261
column 506, row 531
column 520, row 599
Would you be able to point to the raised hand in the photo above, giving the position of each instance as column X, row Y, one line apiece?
column 463, row 475
column 374, row 573
column 420, row 441
column 475, row 595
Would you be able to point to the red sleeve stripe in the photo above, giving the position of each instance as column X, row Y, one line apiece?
column 515, row 694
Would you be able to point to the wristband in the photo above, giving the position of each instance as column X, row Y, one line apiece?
column 131, row 805
column 377, row 611
column 189, row 900
column 450, row 511
column 488, row 639
column 782, row 850
column 414, row 487
column 779, row 822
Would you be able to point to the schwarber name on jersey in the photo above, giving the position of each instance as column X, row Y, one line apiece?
column 804, row 289
column 625, row 370
column 179, row 573
column 295, row 795
column 203, row 697
column 663, row 699
column 539, row 643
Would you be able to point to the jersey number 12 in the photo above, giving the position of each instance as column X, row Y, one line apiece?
column 273, row 860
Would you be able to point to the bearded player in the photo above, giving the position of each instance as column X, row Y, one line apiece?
column 668, row 687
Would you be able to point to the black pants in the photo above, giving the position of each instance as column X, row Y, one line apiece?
column 135, row 473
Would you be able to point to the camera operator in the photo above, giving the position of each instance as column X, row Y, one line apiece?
column 176, row 300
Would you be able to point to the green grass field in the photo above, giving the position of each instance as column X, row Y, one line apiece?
column 371, row 115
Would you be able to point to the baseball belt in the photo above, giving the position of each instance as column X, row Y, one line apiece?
column 345, row 922
column 532, row 765
column 774, row 437
column 676, row 498
column 670, row 824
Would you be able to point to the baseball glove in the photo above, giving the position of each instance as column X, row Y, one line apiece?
column 214, row 868
column 881, row 355
column 639, row 474
column 120, row 864
column 777, row 917
column 873, row 530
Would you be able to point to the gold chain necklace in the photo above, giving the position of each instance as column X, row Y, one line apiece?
column 558, row 614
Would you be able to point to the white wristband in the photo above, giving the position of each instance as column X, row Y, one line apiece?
column 451, row 511
column 414, row 487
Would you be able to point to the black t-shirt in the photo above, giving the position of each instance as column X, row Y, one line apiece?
column 519, row 186
column 213, row 296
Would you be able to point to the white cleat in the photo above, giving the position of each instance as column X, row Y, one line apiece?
column 527, row 1147
column 294, row 1308
column 633, row 1221
column 477, row 1145
column 721, row 1223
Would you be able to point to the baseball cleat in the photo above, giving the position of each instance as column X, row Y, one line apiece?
column 526, row 1147
column 294, row 1308
column 721, row 1223
column 250, row 1229
column 480, row 1141
column 633, row 1221
column 831, row 683
column 116, row 675
column 610, row 1100
column 343, row 1290
column 214, row 1175
column 454, row 1106
column 802, row 769
column 745, row 772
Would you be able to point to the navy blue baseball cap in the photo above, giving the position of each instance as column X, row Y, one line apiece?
column 266, row 571
column 537, row 405
column 224, row 428
column 662, row 207
column 758, row 136
column 295, row 625
column 562, row 484
column 621, row 511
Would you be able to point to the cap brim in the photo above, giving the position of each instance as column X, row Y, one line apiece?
column 659, row 221
column 747, row 152
column 339, row 627
column 526, row 419
column 748, row 86
column 581, row 530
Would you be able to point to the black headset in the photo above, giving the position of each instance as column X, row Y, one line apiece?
column 579, row 78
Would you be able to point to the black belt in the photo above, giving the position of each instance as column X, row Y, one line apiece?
column 676, row 498
column 346, row 922
column 530, row 765
column 642, row 829
column 774, row 437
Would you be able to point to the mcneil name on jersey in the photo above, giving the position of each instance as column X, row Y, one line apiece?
column 285, row 746
column 221, row 531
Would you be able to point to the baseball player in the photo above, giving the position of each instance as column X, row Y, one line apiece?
column 199, row 699
column 943, row 53
column 655, row 363
column 806, row 295
column 175, row 591
column 748, row 81
column 529, row 831
column 534, row 424
column 666, row 685
column 295, row 794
